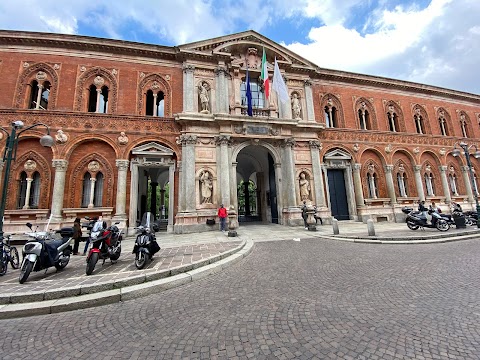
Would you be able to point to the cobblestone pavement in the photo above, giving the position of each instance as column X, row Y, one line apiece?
column 307, row 299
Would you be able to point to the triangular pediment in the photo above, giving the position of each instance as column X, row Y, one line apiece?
column 338, row 154
column 152, row 149
column 234, row 47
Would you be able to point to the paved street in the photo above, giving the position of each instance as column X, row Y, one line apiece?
column 308, row 299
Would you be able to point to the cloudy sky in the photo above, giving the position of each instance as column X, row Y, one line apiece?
column 433, row 42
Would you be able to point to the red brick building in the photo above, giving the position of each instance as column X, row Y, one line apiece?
column 131, row 120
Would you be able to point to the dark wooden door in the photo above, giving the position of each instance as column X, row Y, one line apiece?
column 338, row 194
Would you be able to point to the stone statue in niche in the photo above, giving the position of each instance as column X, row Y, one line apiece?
column 304, row 187
column 61, row 137
column 206, row 187
column 123, row 138
column 204, row 98
column 296, row 108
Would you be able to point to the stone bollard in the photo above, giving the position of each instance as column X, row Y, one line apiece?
column 335, row 226
column 370, row 227
column 232, row 222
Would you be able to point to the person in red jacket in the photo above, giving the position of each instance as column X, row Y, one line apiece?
column 222, row 214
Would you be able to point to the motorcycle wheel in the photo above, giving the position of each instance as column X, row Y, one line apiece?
column 140, row 260
column 14, row 258
column 442, row 225
column 412, row 226
column 3, row 266
column 64, row 262
column 25, row 271
column 91, row 263
column 117, row 253
column 468, row 221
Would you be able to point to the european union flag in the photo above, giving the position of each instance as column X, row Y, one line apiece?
column 249, row 97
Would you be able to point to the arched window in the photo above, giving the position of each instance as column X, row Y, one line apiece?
column 98, row 99
column 419, row 123
column 463, row 125
column 258, row 101
column 429, row 184
column 402, row 184
column 98, row 193
column 331, row 116
column 364, row 119
column 39, row 94
column 443, row 123
column 86, row 189
column 154, row 104
column 392, row 119
column 452, row 179
column 28, row 191
column 372, row 185
column 35, row 191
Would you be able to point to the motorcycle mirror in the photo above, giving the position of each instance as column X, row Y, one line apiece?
column 29, row 225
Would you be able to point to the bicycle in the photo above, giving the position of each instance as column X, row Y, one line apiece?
column 9, row 254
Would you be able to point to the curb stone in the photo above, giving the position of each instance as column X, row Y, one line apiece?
column 109, row 293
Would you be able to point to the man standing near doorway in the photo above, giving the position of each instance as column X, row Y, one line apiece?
column 222, row 214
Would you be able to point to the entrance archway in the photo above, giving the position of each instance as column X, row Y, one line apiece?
column 152, row 173
column 256, row 184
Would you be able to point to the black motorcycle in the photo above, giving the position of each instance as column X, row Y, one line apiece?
column 145, row 244
column 416, row 220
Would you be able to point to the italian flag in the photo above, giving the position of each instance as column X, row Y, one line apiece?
column 264, row 75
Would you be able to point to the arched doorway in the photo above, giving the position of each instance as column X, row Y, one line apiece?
column 152, row 174
column 256, row 185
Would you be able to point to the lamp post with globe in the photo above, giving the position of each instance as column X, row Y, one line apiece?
column 466, row 150
column 16, row 129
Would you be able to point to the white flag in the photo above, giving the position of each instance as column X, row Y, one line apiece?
column 279, row 85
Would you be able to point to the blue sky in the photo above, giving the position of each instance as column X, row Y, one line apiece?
column 433, row 42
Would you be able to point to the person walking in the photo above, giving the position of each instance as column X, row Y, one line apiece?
column 304, row 214
column 222, row 214
column 77, row 235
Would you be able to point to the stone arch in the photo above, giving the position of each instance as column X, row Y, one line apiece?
column 419, row 111
column 78, row 172
column 271, row 149
column 331, row 101
column 87, row 78
column 362, row 104
column 454, row 168
column 72, row 145
column 430, row 165
column 27, row 76
column 43, row 167
column 393, row 109
column 154, row 82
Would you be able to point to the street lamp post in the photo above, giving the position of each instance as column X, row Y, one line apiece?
column 466, row 150
column 9, row 155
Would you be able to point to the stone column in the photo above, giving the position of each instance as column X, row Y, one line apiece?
column 357, row 183
column 418, row 182
column 188, row 88
column 309, row 100
column 280, row 202
column 222, row 89
column 315, row 147
column 390, row 186
column 92, row 192
column 171, row 195
column 133, row 207
column 27, row 193
column 181, row 193
column 99, row 92
column 155, row 105
column 222, row 142
column 289, row 169
column 188, row 163
column 446, row 189
column 60, row 167
column 233, row 185
column 468, row 183
column 121, row 199
column 39, row 97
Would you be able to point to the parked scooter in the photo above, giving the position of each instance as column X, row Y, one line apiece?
column 145, row 244
column 416, row 220
column 43, row 251
column 105, row 244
